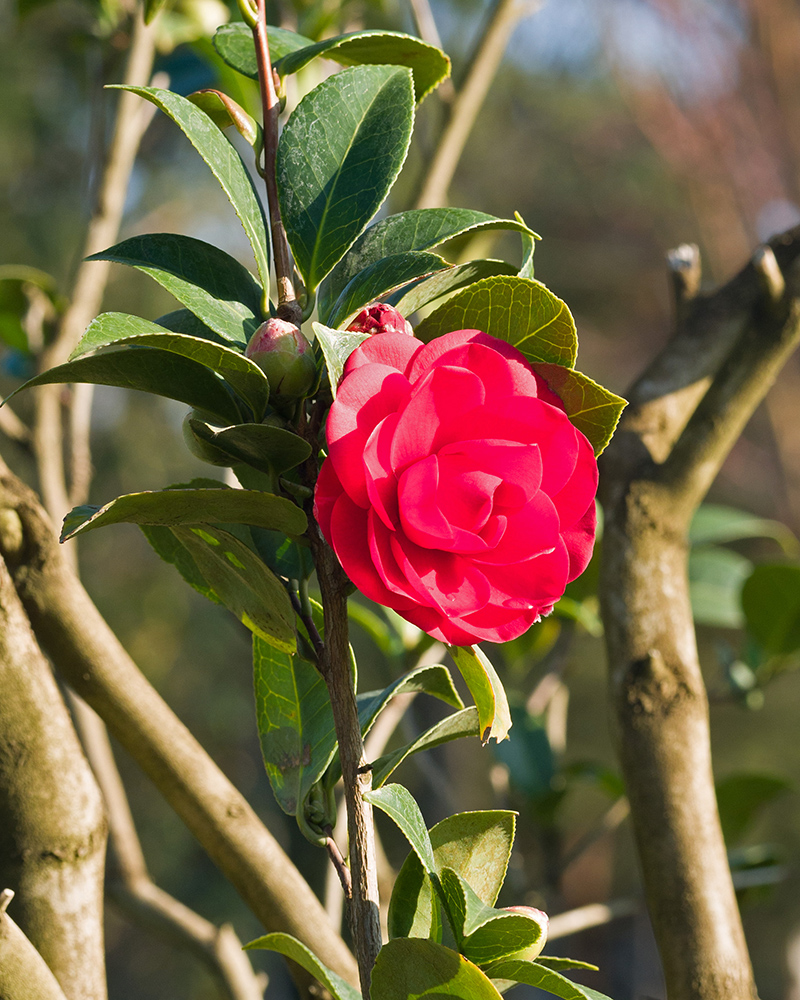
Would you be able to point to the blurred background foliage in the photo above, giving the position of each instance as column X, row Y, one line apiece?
column 618, row 129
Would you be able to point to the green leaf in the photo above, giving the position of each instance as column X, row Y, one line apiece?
column 453, row 727
column 225, row 164
column 15, row 282
column 170, row 549
column 337, row 346
column 715, row 523
column 771, row 605
column 538, row 975
column 486, row 689
column 215, row 287
column 120, row 329
column 398, row 803
column 148, row 369
column 476, row 845
column 242, row 583
column 716, row 576
column 528, row 247
column 192, row 506
column 552, row 962
column 184, row 321
column 338, row 157
column 384, row 276
column 408, row 968
column 428, row 64
column 284, row 556
column 262, row 446
column 234, row 43
column 428, row 290
column 522, row 312
column 225, row 112
column 740, row 797
column 419, row 229
column 286, row 945
column 432, row 679
column 592, row 409
column 291, row 700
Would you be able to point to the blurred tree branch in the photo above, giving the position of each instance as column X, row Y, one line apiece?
column 23, row 971
column 53, row 834
column 91, row 659
column 686, row 412
column 465, row 106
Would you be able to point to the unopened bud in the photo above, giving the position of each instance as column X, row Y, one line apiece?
column 380, row 318
column 539, row 917
column 284, row 355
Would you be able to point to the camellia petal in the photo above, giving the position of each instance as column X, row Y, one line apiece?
column 457, row 491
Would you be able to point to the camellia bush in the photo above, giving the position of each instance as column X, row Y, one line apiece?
column 446, row 470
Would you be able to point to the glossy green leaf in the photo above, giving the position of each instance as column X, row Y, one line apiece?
column 433, row 679
column 264, row 447
column 523, row 312
column 171, row 550
column 453, row 727
column 771, row 605
column 184, row 321
column 593, row 409
column 291, row 699
column 337, row 346
column 428, row 64
column 234, row 43
column 486, row 689
column 399, row 804
column 716, row 523
column 552, row 962
column 225, row 164
column 716, row 576
column 408, row 968
column 419, row 229
column 476, row 845
column 227, row 113
column 286, row 945
column 148, row 369
column 377, row 281
column 120, row 329
column 428, row 290
column 338, row 157
column 528, row 247
column 740, row 797
column 215, row 287
column 242, row 583
column 284, row 556
column 538, row 975
column 192, row 506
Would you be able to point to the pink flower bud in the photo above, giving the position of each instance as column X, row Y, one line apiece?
column 380, row 318
column 284, row 355
column 539, row 917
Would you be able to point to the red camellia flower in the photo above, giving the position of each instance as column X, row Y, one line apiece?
column 456, row 490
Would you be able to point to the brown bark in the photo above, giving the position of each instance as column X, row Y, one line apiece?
column 92, row 661
column 53, row 829
column 686, row 412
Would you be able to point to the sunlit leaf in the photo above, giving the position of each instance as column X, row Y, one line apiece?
column 338, row 988
column 593, row 409
column 337, row 346
column 486, row 689
column 408, row 968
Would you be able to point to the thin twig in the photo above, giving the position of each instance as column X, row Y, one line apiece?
column 288, row 306
column 482, row 69
column 339, row 864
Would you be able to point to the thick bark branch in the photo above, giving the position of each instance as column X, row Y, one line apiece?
column 689, row 407
column 91, row 659
column 53, row 828
column 23, row 971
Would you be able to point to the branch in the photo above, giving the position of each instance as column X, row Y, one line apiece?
column 91, row 659
column 52, row 823
column 689, row 407
column 23, row 971
column 129, row 884
column 132, row 118
column 334, row 665
column 481, row 71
